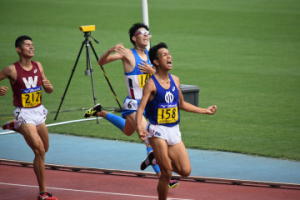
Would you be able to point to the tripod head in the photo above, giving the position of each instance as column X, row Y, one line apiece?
column 87, row 31
column 87, row 28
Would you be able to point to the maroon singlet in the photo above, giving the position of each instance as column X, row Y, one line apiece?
column 27, row 90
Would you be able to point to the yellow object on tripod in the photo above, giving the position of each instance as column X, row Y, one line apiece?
column 87, row 28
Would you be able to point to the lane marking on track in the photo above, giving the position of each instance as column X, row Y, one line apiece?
column 87, row 191
column 55, row 124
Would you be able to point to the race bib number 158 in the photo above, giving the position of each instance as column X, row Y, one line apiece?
column 167, row 113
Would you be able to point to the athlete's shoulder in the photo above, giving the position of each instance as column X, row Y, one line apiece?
column 175, row 78
column 8, row 72
column 35, row 62
column 150, row 83
column 125, row 54
column 10, row 68
column 128, row 51
column 39, row 65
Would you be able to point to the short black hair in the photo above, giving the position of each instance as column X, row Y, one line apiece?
column 153, row 51
column 134, row 28
column 20, row 40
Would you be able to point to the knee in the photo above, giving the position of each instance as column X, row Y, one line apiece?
column 46, row 148
column 127, row 132
column 166, row 173
column 40, row 150
column 185, row 172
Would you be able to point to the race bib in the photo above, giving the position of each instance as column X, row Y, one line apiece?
column 167, row 113
column 143, row 79
column 31, row 97
column 131, row 104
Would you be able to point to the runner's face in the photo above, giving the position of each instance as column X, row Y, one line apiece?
column 164, row 58
column 27, row 49
column 142, row 39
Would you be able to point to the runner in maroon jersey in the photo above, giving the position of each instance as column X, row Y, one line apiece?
column 27, row 79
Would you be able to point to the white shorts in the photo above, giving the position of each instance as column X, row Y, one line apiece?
column 171, row 135
column 34, row 116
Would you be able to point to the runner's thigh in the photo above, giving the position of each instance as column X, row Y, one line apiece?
column 160, row 150
column 31, row 136
column 43, row 133
column 180, row 158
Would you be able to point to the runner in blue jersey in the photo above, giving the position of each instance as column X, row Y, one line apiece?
column 137, row 70
column 162, row 99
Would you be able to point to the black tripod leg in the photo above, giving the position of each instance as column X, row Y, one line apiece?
column 89, row 63
column 73, row 70
column 106, row 77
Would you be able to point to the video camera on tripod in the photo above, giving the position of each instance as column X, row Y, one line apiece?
column 89, row 70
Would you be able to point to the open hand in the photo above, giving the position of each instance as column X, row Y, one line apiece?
column 146, row 68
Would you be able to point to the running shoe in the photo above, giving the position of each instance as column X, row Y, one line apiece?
column 93, row 111
column 148, row 161
column 46, row 196
column 9, row 125
column 173, row 184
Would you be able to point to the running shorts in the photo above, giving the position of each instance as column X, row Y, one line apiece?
column 171, row 135
column 130, row 106
column 36, row 116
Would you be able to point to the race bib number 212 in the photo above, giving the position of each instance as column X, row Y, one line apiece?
column 31, row 97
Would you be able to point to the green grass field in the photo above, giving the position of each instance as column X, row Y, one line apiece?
column 242, row 54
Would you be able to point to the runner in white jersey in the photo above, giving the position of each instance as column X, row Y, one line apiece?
column 135, row 81
column 137, row 69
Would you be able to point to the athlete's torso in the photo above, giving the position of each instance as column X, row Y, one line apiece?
column 135, row 80
column 27, row 90
column 164, row 107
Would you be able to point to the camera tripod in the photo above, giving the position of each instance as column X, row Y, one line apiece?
column 89, row 70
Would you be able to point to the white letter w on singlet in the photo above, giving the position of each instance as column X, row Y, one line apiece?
column 30, row 82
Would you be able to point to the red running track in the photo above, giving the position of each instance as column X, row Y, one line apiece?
column 18, row 182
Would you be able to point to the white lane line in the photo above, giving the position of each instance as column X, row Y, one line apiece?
column 96, row 192
column 56, row 124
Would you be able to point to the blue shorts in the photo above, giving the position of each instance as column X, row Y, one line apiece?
column 130, row 106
